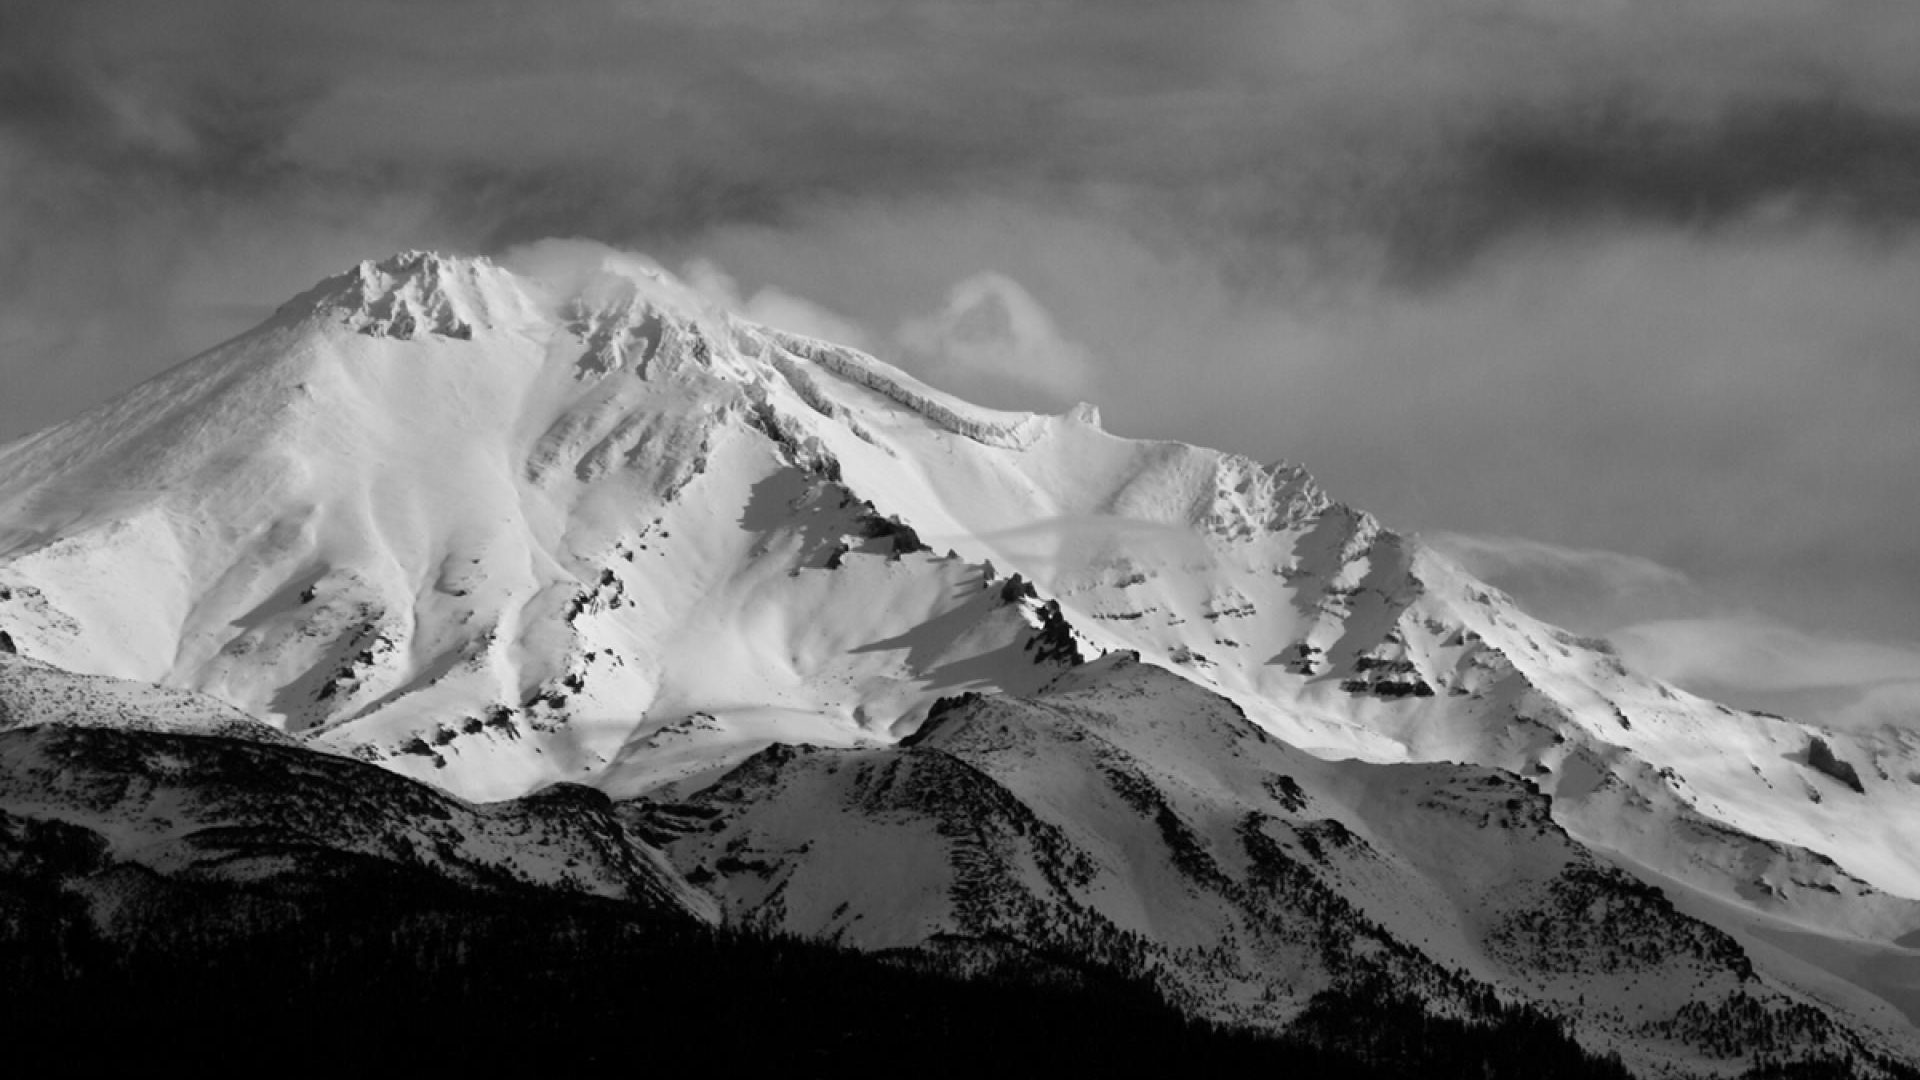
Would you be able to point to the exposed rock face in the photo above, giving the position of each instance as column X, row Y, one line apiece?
column 1007, row 431
column 1820, row 758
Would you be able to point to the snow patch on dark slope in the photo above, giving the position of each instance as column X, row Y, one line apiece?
column 497, row 534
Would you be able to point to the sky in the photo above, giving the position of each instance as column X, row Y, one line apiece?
column 1613, row 299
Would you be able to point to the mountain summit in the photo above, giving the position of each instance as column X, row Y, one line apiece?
column 812, row 621
column 432, row 496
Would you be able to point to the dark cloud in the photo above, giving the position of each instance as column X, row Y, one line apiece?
column 1418, row 133
column 1820, row 158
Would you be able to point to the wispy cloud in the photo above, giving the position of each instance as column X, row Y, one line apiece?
column 1768, row 665
column 1583, row 589
column 992, row 333
column 776, row 308
column 1763, row 656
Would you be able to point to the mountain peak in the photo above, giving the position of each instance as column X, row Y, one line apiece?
column 416, row 293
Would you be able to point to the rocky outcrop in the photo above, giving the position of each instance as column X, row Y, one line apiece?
column 1007, row 431
column 1820, row 758
column 417, row 294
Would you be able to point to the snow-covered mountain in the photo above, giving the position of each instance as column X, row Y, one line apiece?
column 872, row 663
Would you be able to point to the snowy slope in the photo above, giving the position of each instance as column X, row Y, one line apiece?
column 1127, row 814
column 493, row 532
